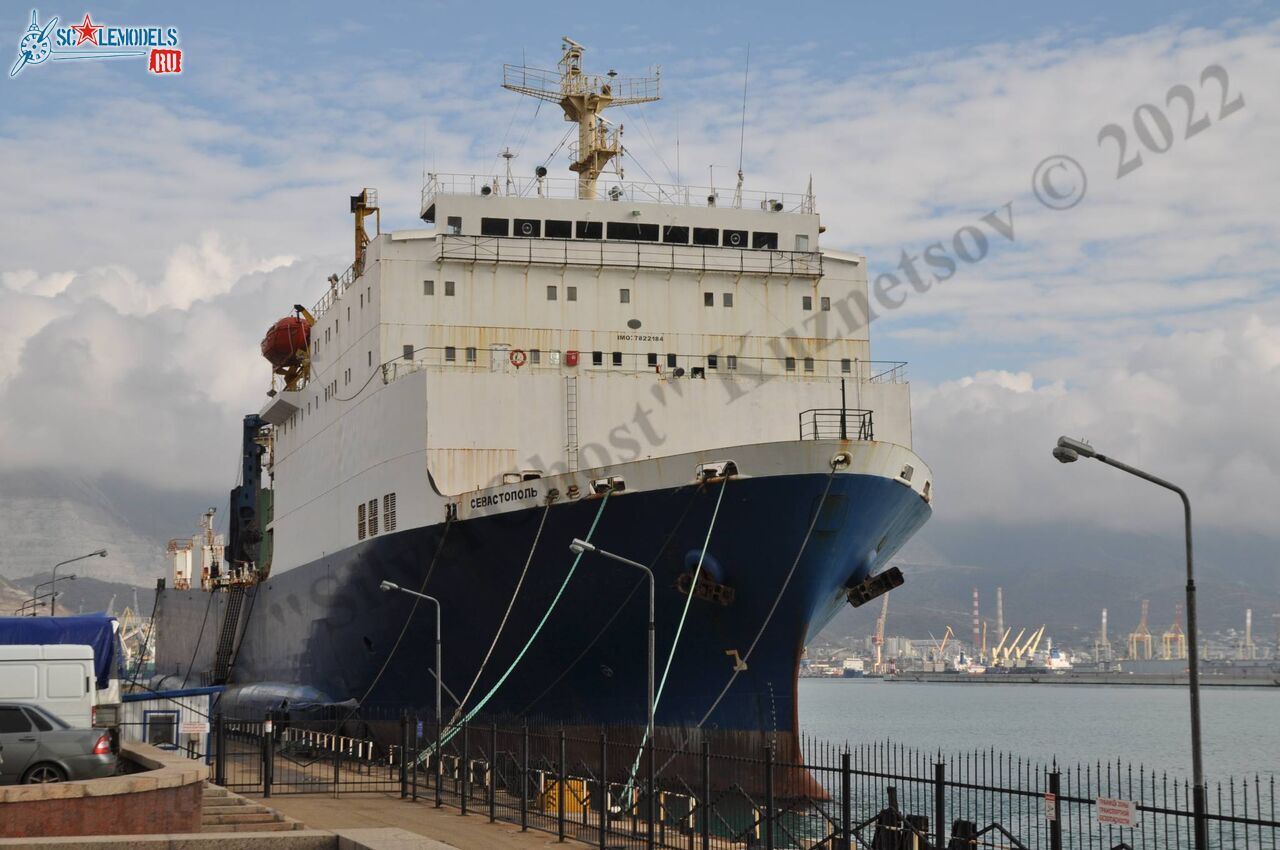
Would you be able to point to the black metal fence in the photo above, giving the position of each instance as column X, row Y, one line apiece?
column 710, row 790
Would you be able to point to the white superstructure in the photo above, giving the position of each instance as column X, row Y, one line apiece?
column 539, row 328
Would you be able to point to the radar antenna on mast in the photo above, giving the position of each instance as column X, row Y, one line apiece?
column 583, row 97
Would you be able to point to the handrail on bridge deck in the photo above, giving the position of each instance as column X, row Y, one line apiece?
column 834, row 423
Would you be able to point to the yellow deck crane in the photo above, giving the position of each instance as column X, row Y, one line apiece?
column 996, row 656
column 1012, row 645
column 877, row 639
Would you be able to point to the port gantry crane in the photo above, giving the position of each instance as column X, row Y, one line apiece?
column 1140, row 638
column 1173, row 643
column 877, row 639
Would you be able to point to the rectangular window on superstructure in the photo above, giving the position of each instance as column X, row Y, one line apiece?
column 326, row 336
column 617, row 358
column 389, row 512
column 370, row 353
column 728, row 299
column 791, row 364
column 558, row 229
column 495, row 227
column 535, row 357
column 806, row 302
column 449, row 287
column 552, row 293
column 597, row 358
column 731, row 361
column 712, row 361
column 675, row 234
column 671, row 361
column 706, row 236
column 571, row 293
column 471, row 354
column 808, row 364
column 653, row 359
column 428, row 287
column 360, row 521
column 734, row 239
column 624, row 296
column 846, row 365
column 590, row 229
column 450, row 354
column 708, row 299
column 764, row 240
column 373, row 517
column 529, row 228
column 826, row 303
column 454, row 225
column 625, row 230
column 407, row 352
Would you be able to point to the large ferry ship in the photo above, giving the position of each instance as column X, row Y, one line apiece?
column 681, row 376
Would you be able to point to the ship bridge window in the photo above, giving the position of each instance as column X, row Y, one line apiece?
column 735, row 239
column 535, row 356
column 791, row 364
column 617, row 358
column 428, row 287
column 764, row 240
column 806, row 302
column 808, row 364
column 471, row 354
column 653, row 359
column 624, row 296
column 597, row 358
column 671, row 361
column 551, row 293
column 712, row 361
column 590, row 230
column 495, row 227
column 731, row 361
column 633, row 231
column 678, row 235
column 706, row 236
column 454, row 225
column 529, row 227
column 728, row 299
column 846, row 365
column 450, row 354
column 708, row 299
column 556, row 229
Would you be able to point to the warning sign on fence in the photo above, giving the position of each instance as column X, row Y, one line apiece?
column 195, row 727
column 1050, row 806
column 1116, row 812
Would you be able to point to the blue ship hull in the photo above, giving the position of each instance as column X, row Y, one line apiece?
column 326, row 624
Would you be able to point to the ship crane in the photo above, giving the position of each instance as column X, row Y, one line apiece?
column 1140, row 638
column 996, row 653
column 877, row 639
column 583, row 97
column 1009, row 650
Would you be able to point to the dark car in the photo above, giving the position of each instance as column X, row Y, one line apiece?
column 36, row 746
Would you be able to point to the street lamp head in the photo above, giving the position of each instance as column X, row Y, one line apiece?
column 1080, row 447
column 386, row 585
column 1065, row 455
column 101, row 553
column 579, row 546
column 71, row 577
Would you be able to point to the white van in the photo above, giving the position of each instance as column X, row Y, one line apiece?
column 58, row 678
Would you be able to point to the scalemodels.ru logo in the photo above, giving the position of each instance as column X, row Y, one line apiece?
column 89, row 40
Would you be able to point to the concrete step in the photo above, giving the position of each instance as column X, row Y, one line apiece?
column 272, row 826
column 222, row 802
column 241, row 817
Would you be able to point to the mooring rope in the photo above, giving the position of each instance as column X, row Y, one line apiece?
column 738, row 668
column 453, row 730
column 501, row 626
column 697, row 573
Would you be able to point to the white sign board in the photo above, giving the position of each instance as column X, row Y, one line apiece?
column 1050, row 806
column 195, row 727
column 1116, row 812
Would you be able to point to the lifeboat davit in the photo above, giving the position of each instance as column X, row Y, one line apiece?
column 286, row 341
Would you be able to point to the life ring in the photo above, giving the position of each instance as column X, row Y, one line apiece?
column 518, row 357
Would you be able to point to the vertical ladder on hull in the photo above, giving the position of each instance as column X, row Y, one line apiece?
column 571, row 421
column 227, row 637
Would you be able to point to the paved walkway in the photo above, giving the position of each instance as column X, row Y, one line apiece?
column 473, row 832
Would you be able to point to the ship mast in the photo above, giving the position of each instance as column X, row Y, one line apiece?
column 583, row 97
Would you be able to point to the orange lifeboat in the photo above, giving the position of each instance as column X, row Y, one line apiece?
column 286, row 341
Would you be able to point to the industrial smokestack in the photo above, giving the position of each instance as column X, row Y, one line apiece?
column 999, row 612
column 977, row 624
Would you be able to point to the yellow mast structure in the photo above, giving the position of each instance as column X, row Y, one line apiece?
column 583, row 97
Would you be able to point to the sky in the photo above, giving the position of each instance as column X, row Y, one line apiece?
column 157, row 224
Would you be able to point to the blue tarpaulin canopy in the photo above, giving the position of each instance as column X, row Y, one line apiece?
column 95, row 630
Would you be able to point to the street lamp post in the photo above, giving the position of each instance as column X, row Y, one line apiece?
column 101, row 553
column 389, row 586
column 1068, row 451
column 579, row 547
